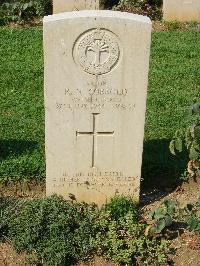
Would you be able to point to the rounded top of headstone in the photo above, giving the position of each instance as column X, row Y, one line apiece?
column 98, row 14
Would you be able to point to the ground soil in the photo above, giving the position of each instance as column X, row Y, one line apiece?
column 186, row 244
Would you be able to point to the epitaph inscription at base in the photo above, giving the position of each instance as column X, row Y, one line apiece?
column 96, row 76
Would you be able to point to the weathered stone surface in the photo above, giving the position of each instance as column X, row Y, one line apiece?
column 181, row 10
column 60, row 6
column 96, row 74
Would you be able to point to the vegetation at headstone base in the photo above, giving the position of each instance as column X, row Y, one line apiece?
column 174, row 83
column 120, row 206
column 121, row 238
column 189, row 139
column 58, row 232
column 173, row 25
column 178, row 26
column 20, row 11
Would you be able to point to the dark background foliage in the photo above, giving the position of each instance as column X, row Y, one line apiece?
column 23, row 11
column 20, row 11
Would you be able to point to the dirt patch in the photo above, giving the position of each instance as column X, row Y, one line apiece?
column 25, row 190
column 8, row 257
column 187, row 250
column 96, row 261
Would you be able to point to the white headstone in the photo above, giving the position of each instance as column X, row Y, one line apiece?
column 60, row 6
column 181, row 10
column 96, row 75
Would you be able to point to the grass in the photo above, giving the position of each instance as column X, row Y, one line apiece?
column 22, row 111
column 174, row 84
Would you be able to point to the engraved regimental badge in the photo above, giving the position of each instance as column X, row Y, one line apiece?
column 97, row 51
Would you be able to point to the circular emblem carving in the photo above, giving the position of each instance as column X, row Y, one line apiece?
column 97, row 51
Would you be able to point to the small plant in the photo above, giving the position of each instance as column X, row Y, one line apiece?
column 118, row 207
column 191, row 215
column 161, row 218
column 171, row 213
column 189, row 139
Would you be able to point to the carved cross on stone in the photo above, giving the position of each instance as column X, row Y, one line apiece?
column 95, row 134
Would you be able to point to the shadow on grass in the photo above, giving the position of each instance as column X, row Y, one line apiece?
column 10, row 148
column 160, row 168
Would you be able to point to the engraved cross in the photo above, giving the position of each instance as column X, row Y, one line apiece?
column 95, row 134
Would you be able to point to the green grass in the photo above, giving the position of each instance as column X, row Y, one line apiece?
column 174, row 84
column 22, row 111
